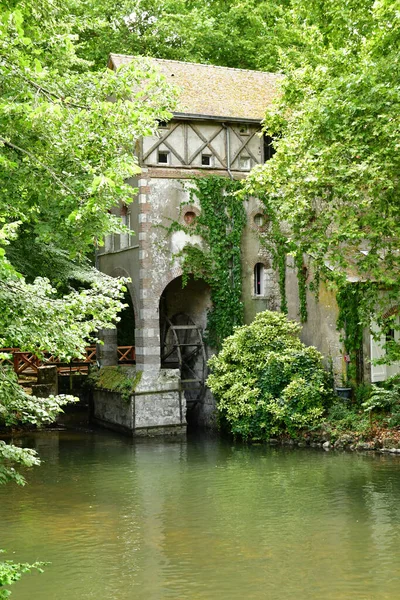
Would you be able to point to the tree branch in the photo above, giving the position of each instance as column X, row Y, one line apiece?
column 48, row 93
column 39, row 162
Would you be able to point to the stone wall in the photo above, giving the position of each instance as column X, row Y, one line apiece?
column 320, row 329
column 157, row 406
column 111, row 411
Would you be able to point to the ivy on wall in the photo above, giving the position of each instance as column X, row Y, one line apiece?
column 350, row 320
column 302, row 284
column 218, row 261
column 279, row 245
column 354, row 308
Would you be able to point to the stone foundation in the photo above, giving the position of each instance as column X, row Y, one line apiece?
column 157, row 407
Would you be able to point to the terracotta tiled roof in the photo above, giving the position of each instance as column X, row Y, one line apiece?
column 216, row 91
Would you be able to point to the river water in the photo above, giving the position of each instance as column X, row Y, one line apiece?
column 203, row 519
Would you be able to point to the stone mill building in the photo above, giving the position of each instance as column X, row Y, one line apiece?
column 215, row 129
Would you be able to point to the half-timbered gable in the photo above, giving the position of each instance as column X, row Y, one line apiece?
column 204, row 145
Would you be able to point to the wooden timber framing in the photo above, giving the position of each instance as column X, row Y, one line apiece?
column 185, row 141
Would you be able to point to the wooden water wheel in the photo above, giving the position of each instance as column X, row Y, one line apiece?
column 183, row 348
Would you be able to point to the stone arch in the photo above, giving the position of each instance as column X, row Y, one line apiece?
column 175, row 272
column 183, row 319
column 194, row 299
column 126, row 326
column 120, row 272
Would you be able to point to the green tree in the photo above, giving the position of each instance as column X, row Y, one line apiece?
column 66, row 153
column 334, row 178
column 234, row 33
column 67, row 138
column 250, row 34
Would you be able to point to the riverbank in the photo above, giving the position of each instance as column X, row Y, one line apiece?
column 346, row 426
column 386, row 442
column 349, row 428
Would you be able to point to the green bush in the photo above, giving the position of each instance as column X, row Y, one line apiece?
column 342, row 419
column 267, row 382
column 362, row 392
column 385, row 398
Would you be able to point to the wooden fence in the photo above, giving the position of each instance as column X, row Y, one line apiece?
column 26, row 363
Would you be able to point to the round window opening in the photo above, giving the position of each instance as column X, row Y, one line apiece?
column 259, row 220
column 189, row 217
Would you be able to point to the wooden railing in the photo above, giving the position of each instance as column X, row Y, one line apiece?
column 27, row 363
column 126, row 355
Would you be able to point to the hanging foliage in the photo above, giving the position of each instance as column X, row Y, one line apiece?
column 218, row 261
column 349, row 298
column 334, row 178
column 301, row 270
column 277, row 240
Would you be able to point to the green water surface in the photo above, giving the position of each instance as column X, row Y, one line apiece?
column 203, row 519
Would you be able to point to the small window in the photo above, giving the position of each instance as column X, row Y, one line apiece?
column 126, row 220
column 163, row 125
column 189, row 217
column 124, row 214
column 206, row 160
column 244, row 163
column 269, row 150
column 259, row 220
column 390, row 335
column 163, row 157
column 259, row 279
column 244, row 130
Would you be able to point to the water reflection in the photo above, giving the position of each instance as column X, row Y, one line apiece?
column 203, row 519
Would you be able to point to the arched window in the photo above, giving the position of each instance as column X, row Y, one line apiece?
column 259, row 280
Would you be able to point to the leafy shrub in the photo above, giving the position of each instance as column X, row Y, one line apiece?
column 394, row 419
column 11, row 572
column 385, row 397
column 362, row 393
column 267, row 382
column 342, row 419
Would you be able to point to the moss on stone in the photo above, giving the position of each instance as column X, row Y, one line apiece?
column 116, row 379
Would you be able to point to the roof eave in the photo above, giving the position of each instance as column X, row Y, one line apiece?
column 224, row 118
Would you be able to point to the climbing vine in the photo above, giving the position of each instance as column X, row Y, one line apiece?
column 350, row 321
column 218, row 261
column 279, row 245
column 302, row 284
column 280, row 258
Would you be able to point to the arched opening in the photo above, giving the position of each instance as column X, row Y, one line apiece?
column 126, row 331
column 183, row 319
column 259, row 283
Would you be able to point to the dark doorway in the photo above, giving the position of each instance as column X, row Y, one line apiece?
column 126, row 326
